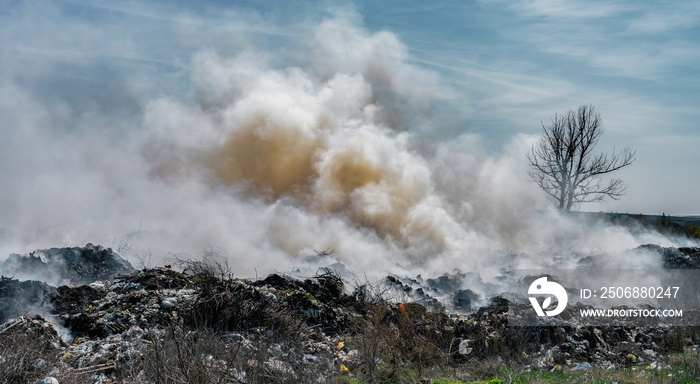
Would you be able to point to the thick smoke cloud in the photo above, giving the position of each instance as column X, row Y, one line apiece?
column 269, row 163
column 321, row 136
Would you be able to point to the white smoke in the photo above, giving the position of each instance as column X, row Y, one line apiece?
column 272, row 163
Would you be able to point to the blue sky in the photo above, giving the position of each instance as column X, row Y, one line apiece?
column 515, row 63
column 498, row 68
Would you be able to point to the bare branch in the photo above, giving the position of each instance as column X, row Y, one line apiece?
column 563, row 165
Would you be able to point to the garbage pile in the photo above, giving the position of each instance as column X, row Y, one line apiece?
column 566, row 342
column 65, row 266
column 18, row 298
column 442, row 292
column 155, row 325
column 677, row 258
column 274, row 323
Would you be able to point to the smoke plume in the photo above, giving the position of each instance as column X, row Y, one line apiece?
column 271, row 163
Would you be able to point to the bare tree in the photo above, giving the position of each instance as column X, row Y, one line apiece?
column 562, row 162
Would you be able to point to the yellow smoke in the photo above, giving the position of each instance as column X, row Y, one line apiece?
column 275, row 160
column 371, row 193
column 348, row 177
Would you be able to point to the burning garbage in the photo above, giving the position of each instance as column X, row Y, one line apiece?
column 67, row 266
column 200, row 325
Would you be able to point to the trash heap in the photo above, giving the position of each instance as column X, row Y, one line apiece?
column 677, row 258
column 58, row 266
column 160, row 325
column 283, row 321
column 562, row 342
column 19, row 297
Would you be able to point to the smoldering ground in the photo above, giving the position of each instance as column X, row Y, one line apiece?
column 271, row 155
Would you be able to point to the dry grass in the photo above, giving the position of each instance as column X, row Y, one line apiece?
column 178, row 355
column 29, row 354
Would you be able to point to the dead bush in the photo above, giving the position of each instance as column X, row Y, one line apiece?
column 284, row 362
column 397, row 343
column 369, row 293
column 30, row 351
column 234, row 307
column 213, row 265
column 177, row 355
column 331, row 283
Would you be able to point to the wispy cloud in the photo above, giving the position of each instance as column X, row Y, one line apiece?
column 610, row 37
column 666, row 17
column 567, row 9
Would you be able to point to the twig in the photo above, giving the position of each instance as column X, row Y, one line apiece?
column 20, row 320
column 96, row 368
